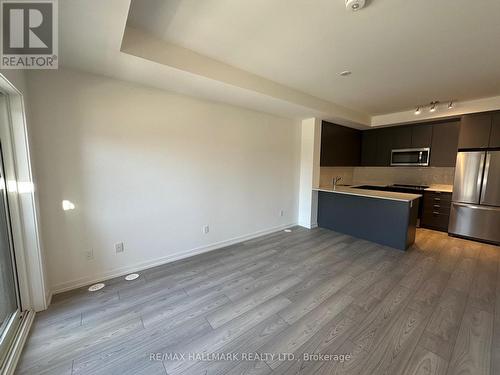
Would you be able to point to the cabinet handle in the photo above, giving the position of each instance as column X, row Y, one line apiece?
column 437, row 199
column 436, row 206
column 435, row 213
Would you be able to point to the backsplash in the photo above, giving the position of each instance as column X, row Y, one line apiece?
column 388, row 175
column 328, row 173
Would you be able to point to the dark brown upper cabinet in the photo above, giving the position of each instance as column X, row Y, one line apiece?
column 421, row 136
column 495, row 130
column 401, row 137
column 369, row 148
column 415, row 136
column 376, row 145
column 385, row 142
column 441, row 137
column 444, row 144
column 475, row 131
column 340, row 146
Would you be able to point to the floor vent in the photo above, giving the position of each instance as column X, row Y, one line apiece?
column 132, row 276
column 96, row 287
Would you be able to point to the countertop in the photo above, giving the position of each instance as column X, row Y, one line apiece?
column 351, row 190
column 442, row 188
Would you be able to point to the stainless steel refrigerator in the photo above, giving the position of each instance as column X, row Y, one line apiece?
column 475, row 207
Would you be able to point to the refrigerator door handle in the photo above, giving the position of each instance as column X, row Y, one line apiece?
column 468, row 205
column 485, row 179
column 479, row 182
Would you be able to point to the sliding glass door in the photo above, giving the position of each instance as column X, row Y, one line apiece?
column 10, row 311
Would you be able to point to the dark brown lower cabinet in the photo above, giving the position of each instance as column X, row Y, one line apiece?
column 436, row 213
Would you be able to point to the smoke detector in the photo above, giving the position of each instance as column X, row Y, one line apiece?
column 354, row 5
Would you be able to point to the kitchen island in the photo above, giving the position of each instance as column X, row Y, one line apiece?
column 384, row 217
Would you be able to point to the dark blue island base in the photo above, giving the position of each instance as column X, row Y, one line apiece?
column 385, row 221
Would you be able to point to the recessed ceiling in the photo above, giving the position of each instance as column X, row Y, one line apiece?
column 401, row 53
column 91, row 37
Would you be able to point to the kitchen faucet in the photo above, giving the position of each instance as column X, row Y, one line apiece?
column 335, row 180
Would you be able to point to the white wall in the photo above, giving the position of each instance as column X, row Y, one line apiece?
column 309, row 172
column 150, row 168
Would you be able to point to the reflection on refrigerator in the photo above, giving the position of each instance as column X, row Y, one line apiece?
column 475, row 210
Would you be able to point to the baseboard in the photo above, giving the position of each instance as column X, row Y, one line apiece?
column 77, row 283
column 18, row 344
column 309, row 225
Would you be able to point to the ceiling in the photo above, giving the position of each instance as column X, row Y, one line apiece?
column 282, row 57
column 401, row 53
column 90, row 39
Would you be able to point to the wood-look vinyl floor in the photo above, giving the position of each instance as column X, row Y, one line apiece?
column 434, row 309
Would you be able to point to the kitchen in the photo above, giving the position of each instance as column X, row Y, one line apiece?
column 443, row 175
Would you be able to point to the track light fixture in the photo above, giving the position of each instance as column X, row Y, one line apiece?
column 433, row 106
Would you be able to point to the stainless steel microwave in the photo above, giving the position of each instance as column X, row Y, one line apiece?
column 418, row 157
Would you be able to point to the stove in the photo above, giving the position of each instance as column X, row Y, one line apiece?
column 409, row 187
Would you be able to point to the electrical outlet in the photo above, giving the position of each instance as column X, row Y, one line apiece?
column 89, row 254
column 119, row 247
column 205, row 229
column 282, row 212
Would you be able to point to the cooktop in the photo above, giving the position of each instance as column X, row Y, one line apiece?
column 415, row 187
